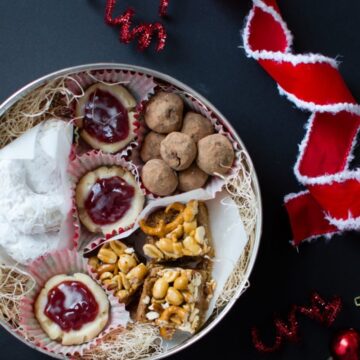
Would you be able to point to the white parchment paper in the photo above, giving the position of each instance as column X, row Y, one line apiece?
column 228, row 235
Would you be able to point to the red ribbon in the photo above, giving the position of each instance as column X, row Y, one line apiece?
column 312, row 82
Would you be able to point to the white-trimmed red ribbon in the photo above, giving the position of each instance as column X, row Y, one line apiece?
column 312, row 82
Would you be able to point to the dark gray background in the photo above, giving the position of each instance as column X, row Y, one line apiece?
column 38, row 37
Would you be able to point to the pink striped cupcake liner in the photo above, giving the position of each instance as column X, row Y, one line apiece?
column 141, row 86
column 215, row 184
column 63, row 262
column 81, row 165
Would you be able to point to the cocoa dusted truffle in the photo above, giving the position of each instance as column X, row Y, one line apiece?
column 159, row 178
column 192, row 178
column 215, row 154
column 151, row 146
column 164, row 113
column 178, row 150
column 197, row 126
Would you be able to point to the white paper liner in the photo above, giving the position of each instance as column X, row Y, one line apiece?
column 141, row 86
column 228, row 240
column 44, row 268
column 215, row 183
column 81, row 165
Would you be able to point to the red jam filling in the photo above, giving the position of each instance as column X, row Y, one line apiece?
column 109, row 199
column 71, row 305
column 105, row 117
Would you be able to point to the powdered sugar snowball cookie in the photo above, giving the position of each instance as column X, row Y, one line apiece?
column 72, row 309
column 108, row 199
column 35, row 196
column 159, row 178
column 106, row 117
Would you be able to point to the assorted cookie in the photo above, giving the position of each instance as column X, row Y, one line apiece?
column 158, row 290
column 108, row 199
column 119, row 269
column 179, row 230
column 174, row 299
column 105, row 116
column 72, row 309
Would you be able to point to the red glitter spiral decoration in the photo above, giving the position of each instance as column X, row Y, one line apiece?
column 319, row 310
column 144, row 32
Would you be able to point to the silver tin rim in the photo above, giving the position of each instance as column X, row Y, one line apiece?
column 118, row 66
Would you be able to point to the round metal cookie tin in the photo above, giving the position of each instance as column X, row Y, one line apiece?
column 170, row 80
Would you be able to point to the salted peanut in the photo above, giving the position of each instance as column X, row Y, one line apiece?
column 107, row 256
column 106, row 268
column 118, row 247
column 152, row 251
column 181, row 283
column 187, row 296
column 138, row 273
column 126, row 263
column 122, row 294
column 174, row 297
column 178, row 249
column 191, row 245
column 125, row 282
column 177, row 233
column 173, row 311
column 94, row 262
column 189, row 227
column 199, row 235
column 191, row 210
column 165, row 245
column 170, row 275
column 106, row 275
column 111, row 284
column 117, row 281
column 160, row 289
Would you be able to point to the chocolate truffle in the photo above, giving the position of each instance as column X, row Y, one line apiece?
column 178, row 150
column 159, row 178
column 151, row 146
column 215, row 154
column 192, row 178
column 197, row 126
column 164, row 113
